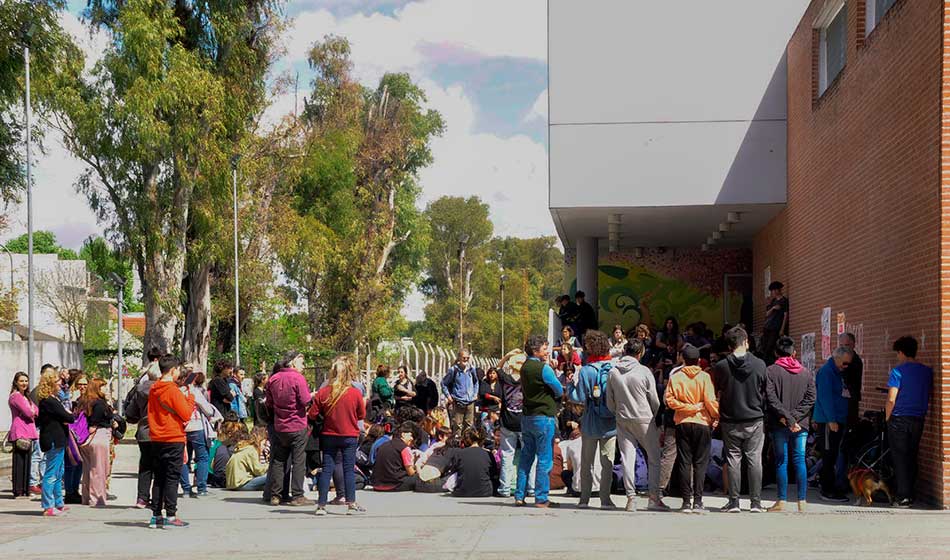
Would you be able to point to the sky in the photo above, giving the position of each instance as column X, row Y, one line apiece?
column 482, row 64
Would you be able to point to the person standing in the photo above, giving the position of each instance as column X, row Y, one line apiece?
column 512, row 403
column 137, row 411
column 632, row 397
column 238, row 400
column 598, row 424
column 22, row 432
column 219, row 389
column 288, row 398
column 540, row 392
column 404, row 391
column 853, row 378
column 196, row 440
column 427, row 394
column 53, row 422
column 692, row 398
column 586, row 317
column 791, row 395
column 831, row 415
column 259, row 409
column 343, row 407
column 740, row 381
column 669, row 341
column 568, row 313
column 776, row 320
column 489, row 390
column 381, row 390
column 909, row 385
column 460, row 387
column 95, row 452
column 168, row 413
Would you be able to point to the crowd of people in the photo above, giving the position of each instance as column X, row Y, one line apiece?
column 665, row 413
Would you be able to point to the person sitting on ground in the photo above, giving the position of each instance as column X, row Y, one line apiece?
column 442, row 435
column 394, row 469
column 247, row 467
column 617, row 342
column 568, row 362
column 570, row 448
column 477, row 472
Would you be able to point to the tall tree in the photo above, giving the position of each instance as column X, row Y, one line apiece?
column 44, row 243
column 102, row 260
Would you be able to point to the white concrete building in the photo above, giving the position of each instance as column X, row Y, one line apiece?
column 48, row 269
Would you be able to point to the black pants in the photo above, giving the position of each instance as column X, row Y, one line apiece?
column 769, row 339
column 168, row 460
column 284, row 447
column 693, row 444
column 829, row 457
column 410, row 484
column 146, row 471
column 21, row 471
column 903, row 435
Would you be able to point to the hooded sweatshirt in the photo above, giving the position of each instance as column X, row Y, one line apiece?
column 631, row 391
column 791, row 394
column 741, row 383
column 692, row 397
column 168, row 412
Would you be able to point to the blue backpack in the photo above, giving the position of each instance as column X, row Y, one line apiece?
column 599, row 404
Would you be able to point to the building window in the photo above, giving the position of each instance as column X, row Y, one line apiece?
column 833, row 43
column 875, row 11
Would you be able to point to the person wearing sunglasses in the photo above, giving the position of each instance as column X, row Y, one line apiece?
column 831, row 415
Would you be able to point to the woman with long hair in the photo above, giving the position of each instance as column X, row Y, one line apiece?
column 95, row 450
column 247, row 467
column 490, row 391
column 669, row 341
column 22, row 432
column 405, row 389
column 617, row 342
column 342, row 406
column 259, row 409
column 53, row 422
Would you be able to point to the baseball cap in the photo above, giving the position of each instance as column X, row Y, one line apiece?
column 690, row 352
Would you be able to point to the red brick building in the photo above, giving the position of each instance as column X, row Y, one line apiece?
column 865, row 230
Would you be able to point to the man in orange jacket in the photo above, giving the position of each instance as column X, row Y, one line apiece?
column 168, row 412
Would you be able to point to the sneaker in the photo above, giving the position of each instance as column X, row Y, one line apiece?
column 838, row 498
column 156, row 523
column 687, row 507
column 36, row 490
column 757, row 507
column 193, row 493
column 274, row 501
column 583, row 505
column 731, row 507
column 801, row 506
column 658, row 505
column 777, row 507
column 301, row 501
column 519, row 503
column 320, row 511
column 338, row 501
column 63, row 508
column 631, row 504
column 176, row 522
column 51, row 512
column 355, row 509
column 698, row 508
column 203, row 493
column 546, row 505
column 530, row 493
column 608, row 506
column 906, row 503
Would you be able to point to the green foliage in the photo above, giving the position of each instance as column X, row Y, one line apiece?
column 102, row 260
column 452, row 220
column 44, row 243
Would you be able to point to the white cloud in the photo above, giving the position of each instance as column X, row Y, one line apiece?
column 92, row 43
column 539, row 111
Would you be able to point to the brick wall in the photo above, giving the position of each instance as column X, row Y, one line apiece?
column 862, row 228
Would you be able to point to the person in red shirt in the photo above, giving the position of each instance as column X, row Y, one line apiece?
column 342, row 406
column 168, row 412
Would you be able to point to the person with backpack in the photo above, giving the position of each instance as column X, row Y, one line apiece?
column 512, row 401
column 136, row 411
column 598, row 424
column 460, row 387
column 632, row 397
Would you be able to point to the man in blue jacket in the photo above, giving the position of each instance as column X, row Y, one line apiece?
column 831, row 415
column 460, row 387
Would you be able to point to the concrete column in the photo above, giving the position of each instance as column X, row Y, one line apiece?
column 587, row 269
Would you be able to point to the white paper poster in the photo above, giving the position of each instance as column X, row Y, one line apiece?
column 808, row 352
column 768, row 280
column 826, row 333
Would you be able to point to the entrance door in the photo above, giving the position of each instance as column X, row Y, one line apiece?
column 737, row 299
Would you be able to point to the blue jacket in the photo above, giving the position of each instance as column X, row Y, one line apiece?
column 461, row 384
column 580, row 391
column 830, row 405
column 237, row 404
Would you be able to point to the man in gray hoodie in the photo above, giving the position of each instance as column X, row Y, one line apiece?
column 632, row 397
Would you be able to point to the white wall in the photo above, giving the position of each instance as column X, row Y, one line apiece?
column 668, row 103
column 13, row 358
column 43, row 318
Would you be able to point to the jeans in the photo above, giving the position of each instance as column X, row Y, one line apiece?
column 607, row 450
column 284, row 447
column 829, row 458
column 198, row 449
column 646, row 435
column 146, row 472
column 255, row 484
column 744, row 439
column 787, row 443
column 693, row 448
column 53, row 477
column 509, row 446
column 537, row 434
column 903, row 435
column 329, row 446
column 37, row 465
column 168, row 463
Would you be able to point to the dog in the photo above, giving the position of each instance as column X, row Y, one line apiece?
column 864, row 483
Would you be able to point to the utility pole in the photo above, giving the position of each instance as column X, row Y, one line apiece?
column 503, row 278
column 119, row 294
column 31, row 373
column 462, row 243
column 237, row 290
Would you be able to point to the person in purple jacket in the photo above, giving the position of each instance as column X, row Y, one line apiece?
column 288, row 397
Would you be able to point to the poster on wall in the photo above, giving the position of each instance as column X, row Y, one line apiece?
column 826, row 333
column 808, row 352
column 768, row 280
column 841, row 323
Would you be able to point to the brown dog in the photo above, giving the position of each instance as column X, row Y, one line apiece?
column 864, row 483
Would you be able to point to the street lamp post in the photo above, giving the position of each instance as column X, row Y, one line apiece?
column 462, row 241
column 503, row 278
column 237, row 290
column 31, row 374
column 119, row 293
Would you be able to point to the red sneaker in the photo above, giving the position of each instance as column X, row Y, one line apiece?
column 52, row 512
column 36, row 490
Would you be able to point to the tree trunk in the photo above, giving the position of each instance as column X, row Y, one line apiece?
column 160, row 290
column 197, row 335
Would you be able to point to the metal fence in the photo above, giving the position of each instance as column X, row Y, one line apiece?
column 432, row 359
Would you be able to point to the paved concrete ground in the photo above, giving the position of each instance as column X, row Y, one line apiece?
column 236, row 525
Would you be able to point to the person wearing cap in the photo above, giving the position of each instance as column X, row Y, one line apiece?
column 632, row 397
column 196, row 442
column 692, row 398
column 512, row 401
column 776, row 321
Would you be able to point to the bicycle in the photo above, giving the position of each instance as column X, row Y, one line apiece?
column 875, row 454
